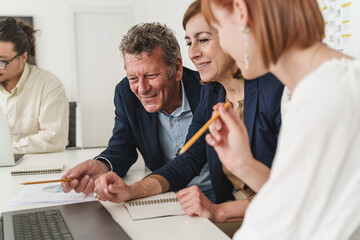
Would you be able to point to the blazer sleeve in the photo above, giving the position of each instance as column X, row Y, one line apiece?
column 121, row 151
column 183, row 168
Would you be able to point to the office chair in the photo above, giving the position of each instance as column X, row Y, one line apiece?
column 72, row 126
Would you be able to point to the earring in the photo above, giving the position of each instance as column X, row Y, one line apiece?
column 245, row 31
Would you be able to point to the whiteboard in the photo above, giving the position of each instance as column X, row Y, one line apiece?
column 342, row 25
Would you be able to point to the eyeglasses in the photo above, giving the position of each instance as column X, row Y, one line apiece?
column 4, row 63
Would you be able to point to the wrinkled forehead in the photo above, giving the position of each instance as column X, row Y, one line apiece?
column 140, row 64
column 144, row 58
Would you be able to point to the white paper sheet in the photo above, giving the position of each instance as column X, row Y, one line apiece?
column 48, row 193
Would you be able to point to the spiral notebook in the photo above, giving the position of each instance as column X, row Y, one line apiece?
column 32, row 164
column 161, row 205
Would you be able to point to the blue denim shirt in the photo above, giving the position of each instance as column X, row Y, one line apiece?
column 173, row 129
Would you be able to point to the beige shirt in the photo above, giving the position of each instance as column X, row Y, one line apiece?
column 38, row 112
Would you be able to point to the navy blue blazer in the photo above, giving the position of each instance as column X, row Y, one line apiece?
column 262, row 120
column 136, row 128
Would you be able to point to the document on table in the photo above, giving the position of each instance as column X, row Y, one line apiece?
column 48, row 193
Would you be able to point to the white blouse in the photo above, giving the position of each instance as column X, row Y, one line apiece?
column 314, row 187
column 38, row 112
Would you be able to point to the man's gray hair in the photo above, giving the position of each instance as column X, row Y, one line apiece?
column 148, row 36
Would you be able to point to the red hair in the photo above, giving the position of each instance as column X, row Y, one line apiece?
column 278, row 25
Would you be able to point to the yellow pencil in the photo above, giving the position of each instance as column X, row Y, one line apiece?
column 48, row 181
column 201, row 131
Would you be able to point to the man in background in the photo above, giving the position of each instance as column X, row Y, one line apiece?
column 33, row 99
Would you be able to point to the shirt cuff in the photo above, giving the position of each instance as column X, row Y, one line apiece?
column 104, row 159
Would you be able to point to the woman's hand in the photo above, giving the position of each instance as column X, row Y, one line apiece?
column 195, row 203
column 110, row 187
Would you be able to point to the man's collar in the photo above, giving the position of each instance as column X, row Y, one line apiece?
column 24, row 77
column 185, row 106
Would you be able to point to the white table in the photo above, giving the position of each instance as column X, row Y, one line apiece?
column 176, row 227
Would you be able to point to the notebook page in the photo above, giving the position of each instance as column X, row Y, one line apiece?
column 42, row 163
column 161, row 205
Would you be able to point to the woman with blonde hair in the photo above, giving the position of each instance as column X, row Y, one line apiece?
column 312, row 192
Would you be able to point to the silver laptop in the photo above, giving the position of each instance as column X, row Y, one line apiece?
column 89, row 220
column 7, row 158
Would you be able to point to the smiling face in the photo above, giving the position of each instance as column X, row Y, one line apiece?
column 205, row 52
column 151, row 82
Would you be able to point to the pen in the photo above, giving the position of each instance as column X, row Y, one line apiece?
column 201, row 131
column 48, row 181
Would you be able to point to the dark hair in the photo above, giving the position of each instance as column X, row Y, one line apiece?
column 20, row 34
column 146, row 37
column 278, row 25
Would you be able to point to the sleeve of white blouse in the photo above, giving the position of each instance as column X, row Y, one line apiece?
column 53, row 123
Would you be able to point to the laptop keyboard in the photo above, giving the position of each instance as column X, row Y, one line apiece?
column 47, row 224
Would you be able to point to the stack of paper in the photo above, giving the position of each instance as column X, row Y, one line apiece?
column 48, row 193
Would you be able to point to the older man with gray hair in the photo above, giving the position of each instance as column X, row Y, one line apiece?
column 154, row 108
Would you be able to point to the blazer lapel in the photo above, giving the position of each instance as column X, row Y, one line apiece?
column 149, row 133
column 192, row 90
column 250, row 105
column 217, row 95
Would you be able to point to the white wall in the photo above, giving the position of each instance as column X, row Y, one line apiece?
column 57, row 52
column 56, row 43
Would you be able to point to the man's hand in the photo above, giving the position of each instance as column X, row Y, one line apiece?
column 84, row 176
